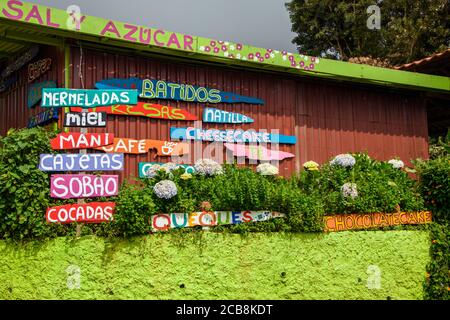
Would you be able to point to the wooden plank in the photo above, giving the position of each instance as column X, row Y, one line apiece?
column 257, row 152
column 94, row 212
column 133, row 146
column 85, row 119
column 211, row 115
column 77, row 140
column 75, row 186
column 81, row 162
column 35, row 92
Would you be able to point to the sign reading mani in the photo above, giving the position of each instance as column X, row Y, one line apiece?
column 145, row 166
column 43, row 118
column 76, row 140
column 58, row 97
column 75, row 186
column 85, row 119
column 163, row 222
column 342, row 222
column 257, row 152
column 232, row 136
column 147, row 110
column 94, row 212
column 220, row 116
column 81, row 162
column 132, row 146
column 159, row 89
column 35, row 92
column 37, row 69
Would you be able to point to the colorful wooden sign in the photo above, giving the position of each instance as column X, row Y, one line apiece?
column 163, row 222
column 132, row 146
column 8, row 82
column 75, row 186
column 342, row 222
column 145, row 166
column 94, row 212
column 76, row 140
column 43, row 118
column 85, row 119
column 20, row 62
column 232, row 136
column 159, row 89
column 147, row 110
column 257, row 152
column 81, row 162
column 37, row 69
column 35, row 92
column 220, row 116
column 59, row 97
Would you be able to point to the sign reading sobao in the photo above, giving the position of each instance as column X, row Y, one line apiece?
column 342, row 222
column 70, row 186
column 161, row 222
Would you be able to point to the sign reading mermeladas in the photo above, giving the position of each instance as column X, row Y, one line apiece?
column 94, row 212
column 342, row 222
column 162, row 222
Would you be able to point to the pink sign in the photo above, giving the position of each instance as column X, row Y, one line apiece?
column 257, row 152
column 70, row 186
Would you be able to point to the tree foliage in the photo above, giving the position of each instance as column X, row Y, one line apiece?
column 409, row 29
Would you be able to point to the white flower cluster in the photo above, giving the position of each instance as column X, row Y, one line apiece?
column 396, row 164
column 169, row 167
column 266, row 169
column 207, row 167
column 165, row 189
column 153, row 171
column 349, row 190
column 343, row 160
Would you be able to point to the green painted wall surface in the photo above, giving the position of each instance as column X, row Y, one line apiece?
column 219, row 266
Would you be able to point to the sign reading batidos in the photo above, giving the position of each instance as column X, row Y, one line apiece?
column 57, row 97
column 342, row 222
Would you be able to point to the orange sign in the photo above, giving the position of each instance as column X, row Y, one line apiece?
column 342, row 222
column 131, row 146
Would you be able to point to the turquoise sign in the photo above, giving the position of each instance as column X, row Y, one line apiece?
column 58, row 98
column 230, row 136
column 35, row 92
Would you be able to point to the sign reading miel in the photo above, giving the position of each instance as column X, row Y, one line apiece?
column 342, row 222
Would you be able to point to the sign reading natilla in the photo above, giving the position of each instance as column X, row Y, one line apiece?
column 85, row 119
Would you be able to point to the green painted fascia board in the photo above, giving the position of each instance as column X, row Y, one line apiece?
column 113, row 33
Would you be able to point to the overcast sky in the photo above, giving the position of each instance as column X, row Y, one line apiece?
column 261, row 23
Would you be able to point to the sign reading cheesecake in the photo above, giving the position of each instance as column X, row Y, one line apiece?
column 342, row 222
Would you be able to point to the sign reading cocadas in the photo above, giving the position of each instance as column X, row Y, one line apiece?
column 94, row 212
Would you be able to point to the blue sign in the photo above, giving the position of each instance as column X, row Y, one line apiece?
column 230, row 136
column 35, row 92
column 43, row 118
column 220, row 116
column 81, row 162
column 159, row 89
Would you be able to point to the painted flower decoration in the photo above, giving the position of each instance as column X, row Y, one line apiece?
column 186, row 176
column 266, row 169
column 311, row 166
column 208, row 167
column 343, row 160
column 349, row 190
column 153, row 171
column 396, row 164
column 165, row 189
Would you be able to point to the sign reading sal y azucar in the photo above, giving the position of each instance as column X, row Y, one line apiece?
column 58, row 97
column 342, row 222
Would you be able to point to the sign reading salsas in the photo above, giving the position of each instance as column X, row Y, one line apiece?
column 35, row 92
column 85, row 98
column 159, row 89
column 145, row 166
column 162, row 222
column 232, row 136
column 85, row 119
column 76, row 140
column 220, row 116
column 132, row 146
column 342, row 222
column 257, row 152
column 94, row 212
column 75, row 186
column 43, row 118
column 37, row 69
column 147, row 110
column 81, row 162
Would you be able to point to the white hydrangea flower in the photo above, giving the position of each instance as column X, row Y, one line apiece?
column 153, row 171
column 170, row 166
column 343, row 160
column 165, row 189
column 396, row 164
column 349, row 190
column 207, row 167
column 266, row 169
